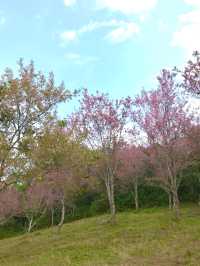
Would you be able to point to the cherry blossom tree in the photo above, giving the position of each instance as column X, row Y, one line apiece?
column 59, row 161
column 10, row 204
column 131, row 169
column 33, row 203
column 103, row 122
column 162, row 117
column 166, row 164
column 191, row 75
column 62, row 187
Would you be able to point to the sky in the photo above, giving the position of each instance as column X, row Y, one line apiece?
column 115, row 46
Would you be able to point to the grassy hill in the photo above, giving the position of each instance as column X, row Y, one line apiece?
column 150, row 237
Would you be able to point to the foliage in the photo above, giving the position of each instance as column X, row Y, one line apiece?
column 107, row 155
column 161, row 115
column 104, row 121
column 27, row 102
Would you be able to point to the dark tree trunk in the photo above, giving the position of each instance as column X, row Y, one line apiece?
column 136, row 200
column 170, row 200
column 52, row 216
column 176, row 204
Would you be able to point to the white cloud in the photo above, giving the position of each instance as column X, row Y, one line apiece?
column 72, row 56
column 127, row 7
column 188, row 37
column 77, row 59
column 38, row 16
column 68, row 3
column 2, row 20
column 95, row 25
column 123, row 33
column 68, row 36
column 190, row 17
column 193, row 2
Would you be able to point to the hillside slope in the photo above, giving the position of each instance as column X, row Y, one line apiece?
column 150, row 237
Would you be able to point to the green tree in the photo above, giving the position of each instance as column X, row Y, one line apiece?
column 27, row 102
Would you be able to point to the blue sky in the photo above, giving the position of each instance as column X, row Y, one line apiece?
column 118, row 46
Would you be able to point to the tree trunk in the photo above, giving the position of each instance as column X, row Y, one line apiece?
column 176, row 204
column 36, row 220
column 30, row 224
column 170, row 200
column 110, row 193
column 136, row 194
column 174, row 192
column 62, row 215
column 52, row 216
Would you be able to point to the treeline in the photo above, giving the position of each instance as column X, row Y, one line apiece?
column 107, row 155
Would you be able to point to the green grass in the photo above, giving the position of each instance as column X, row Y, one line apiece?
column 150, row 237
